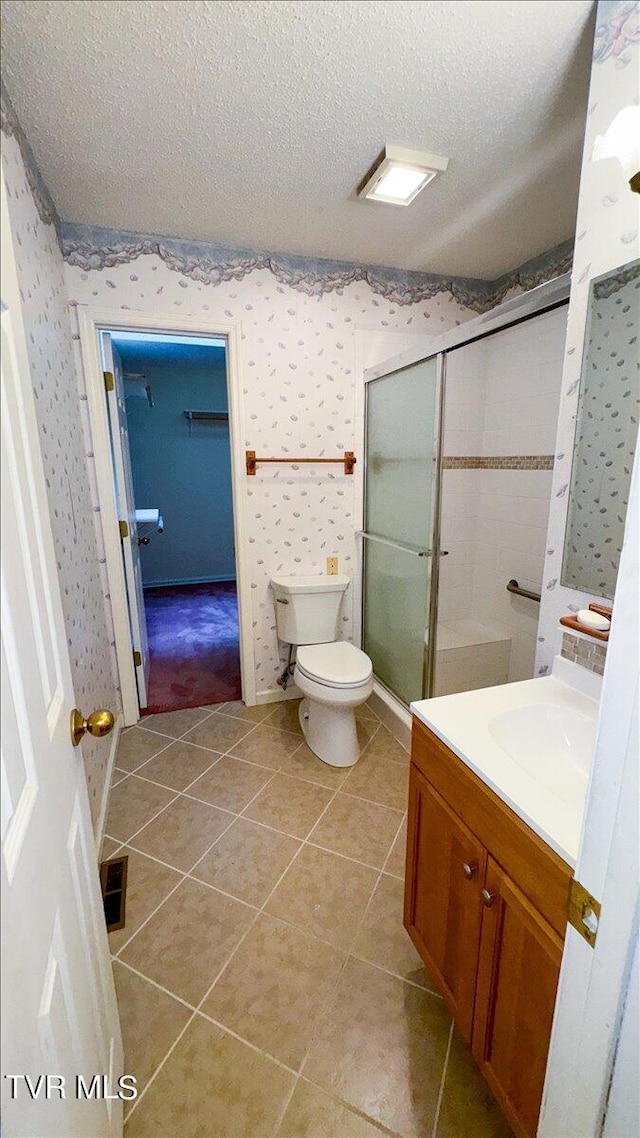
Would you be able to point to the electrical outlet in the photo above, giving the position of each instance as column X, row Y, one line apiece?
column 332, row 566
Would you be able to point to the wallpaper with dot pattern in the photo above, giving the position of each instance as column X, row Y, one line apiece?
column 297, row 366
column 606, row 238
column 53, row 374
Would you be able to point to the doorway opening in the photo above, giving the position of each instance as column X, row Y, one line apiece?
column 168, row 411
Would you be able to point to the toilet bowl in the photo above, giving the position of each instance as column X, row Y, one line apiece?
column 333, row 676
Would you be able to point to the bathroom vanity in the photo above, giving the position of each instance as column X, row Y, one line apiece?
column 492, row 840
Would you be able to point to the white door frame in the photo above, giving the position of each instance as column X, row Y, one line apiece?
column 90, row 321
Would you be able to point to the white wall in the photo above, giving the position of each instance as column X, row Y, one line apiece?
column 502, row 399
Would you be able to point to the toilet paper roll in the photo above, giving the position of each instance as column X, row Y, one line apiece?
column 147, row 517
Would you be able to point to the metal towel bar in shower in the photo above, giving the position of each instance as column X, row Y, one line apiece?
column 399, row 545
column 513, row 587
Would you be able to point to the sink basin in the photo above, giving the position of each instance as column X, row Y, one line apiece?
column 553, row 744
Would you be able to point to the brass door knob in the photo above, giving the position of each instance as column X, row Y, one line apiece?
column 98, row 724
column 487, row 898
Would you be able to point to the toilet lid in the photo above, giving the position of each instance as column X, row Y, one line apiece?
column 338, row 664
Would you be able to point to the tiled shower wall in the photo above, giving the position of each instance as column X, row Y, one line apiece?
column 502, row 400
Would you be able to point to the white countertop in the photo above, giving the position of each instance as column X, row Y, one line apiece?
column 549, row 794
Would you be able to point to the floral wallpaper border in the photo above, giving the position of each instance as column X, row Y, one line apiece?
column 92, row 247
column 613, row 282
column 617, row 28
column 11, row 127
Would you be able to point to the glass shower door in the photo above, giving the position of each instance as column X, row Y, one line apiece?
column 401, row 524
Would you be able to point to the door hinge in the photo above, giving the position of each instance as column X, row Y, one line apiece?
column 137, row 658
column 109, row 382
column 124, row 529
column 583, row 913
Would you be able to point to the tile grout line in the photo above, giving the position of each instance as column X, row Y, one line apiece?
column 260, row 911
column 126, row 944
column 161, row 1064
column 262, row 908
column 143, row 764
column 286, row 1104
column 239, row 817
column 189, row 876
column 205, row 1015
column 151, row 819
column 210, row 988
column 348, row 956
column 436, row 1117
column 354, row 1109
column 154, row 983
column 356, row 933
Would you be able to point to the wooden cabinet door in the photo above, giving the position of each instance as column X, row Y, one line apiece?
column 518, row 973
column 443, row 908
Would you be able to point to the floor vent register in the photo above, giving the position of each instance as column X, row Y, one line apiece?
column 113, row 881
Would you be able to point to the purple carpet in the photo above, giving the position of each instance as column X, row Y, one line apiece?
column 193, row 644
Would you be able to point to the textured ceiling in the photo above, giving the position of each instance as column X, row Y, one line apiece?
column 250, row 122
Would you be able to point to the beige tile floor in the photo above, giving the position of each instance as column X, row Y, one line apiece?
column 266, row 985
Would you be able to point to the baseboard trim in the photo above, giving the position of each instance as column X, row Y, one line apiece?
column 111, row 762
column 392, row 714
column 189, row 581
column 271, row 695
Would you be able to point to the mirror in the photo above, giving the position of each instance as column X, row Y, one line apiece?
column 606, row 432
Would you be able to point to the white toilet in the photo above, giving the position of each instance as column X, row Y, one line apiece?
column 334, row 676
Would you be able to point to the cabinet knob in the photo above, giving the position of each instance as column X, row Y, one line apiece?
column 469, row 870
column 487, row 898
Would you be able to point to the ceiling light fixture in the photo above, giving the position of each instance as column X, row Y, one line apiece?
column 399, row 175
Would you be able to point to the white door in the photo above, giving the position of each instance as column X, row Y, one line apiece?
column 127, row 513
column 594, row 1056
column 58, row 1001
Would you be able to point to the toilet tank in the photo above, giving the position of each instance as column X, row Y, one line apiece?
column 308, row 608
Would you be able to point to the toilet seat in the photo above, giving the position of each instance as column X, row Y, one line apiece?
column 335, row 665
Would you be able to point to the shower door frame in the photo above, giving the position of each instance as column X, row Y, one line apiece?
column 433, row 553
column 544, row 298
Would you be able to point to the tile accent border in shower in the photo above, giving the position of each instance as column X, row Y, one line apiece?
column 498, row 462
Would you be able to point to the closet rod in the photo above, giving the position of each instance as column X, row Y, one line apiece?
column 206, row 414
column 348, row 459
